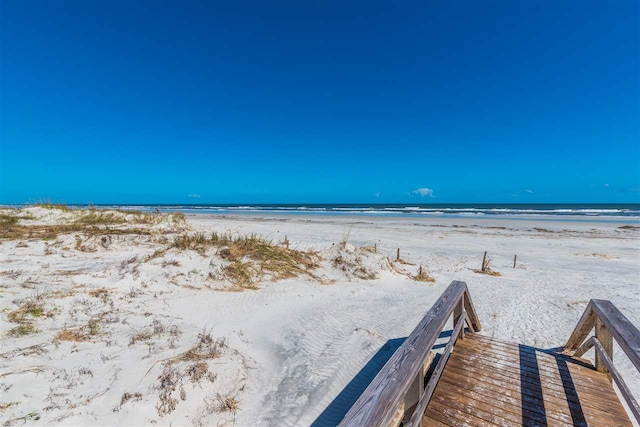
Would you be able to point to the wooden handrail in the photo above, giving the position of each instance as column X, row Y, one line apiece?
column 384, row 400
column 616, row 324
column 416, row 417
column 610, row 324
column 593, row 342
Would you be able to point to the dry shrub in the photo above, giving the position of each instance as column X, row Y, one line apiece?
column 95, row 217
column 250, row 258
column 156, row 328
column 100, row 293
column 5, row 406
column 629, row 227
column 169, row 379
column 8, row 221
column 84, row 333
column 226, row 403
column 241, row 275
column 197, row 242
column 48, row 204
column 71, row 335
column 353, row 268
column 486, row 269
column 542, row 230
column 197, row 370
column 53, row 231
column 178, row 218
column 423, row 276
column 205, row 348
column 350, row 260
column 488, row 272
column 172, row 376
column 130, row 396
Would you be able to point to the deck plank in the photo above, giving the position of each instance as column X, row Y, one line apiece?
column 488, row 382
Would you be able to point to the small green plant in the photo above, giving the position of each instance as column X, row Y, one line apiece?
column 33, row 308
column 94, row 327
column 24, row 329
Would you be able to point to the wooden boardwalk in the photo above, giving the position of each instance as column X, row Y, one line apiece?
column 496, row 383
column 481, row 381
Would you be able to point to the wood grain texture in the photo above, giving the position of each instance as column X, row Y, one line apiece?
column 605, row 359
column 621, row 329
column 415, row 419
column 616, row 324
column 377, row 404
column 488, row 382
column 581, row 332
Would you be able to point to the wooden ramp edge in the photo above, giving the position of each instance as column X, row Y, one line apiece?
column 492, row 382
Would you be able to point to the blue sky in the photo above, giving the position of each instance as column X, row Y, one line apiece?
column 331, row 101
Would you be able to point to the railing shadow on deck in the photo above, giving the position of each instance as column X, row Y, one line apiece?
column 533, row 408
column 338, row 408
column 531, row 395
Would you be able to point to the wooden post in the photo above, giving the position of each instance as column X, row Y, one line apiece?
column 515, row 257
column 397, row 415
column 398, row 255
column 484, row 260
column 415, row 392
column 604, row 336
column 375, row 248
column 427, row 363
column 411, row 399
column 457, row 315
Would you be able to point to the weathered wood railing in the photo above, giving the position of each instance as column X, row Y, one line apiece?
column 609, row 324
column 398, row 393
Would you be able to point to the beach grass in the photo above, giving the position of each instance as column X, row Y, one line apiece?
column 250, row 258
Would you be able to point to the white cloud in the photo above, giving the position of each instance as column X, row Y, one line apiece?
column 194, row 196
column 529, row 191
column 377, row 194
column 423, row 192
column 606, row 185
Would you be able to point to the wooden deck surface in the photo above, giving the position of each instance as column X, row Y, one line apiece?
column 488, row 382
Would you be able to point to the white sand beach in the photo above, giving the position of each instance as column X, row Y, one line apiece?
column 118, row 320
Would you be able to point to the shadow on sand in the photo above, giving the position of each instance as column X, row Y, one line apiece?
column 335, row 412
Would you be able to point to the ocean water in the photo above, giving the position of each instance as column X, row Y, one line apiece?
column 586, row 211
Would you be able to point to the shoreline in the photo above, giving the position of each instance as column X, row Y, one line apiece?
column 444, row 220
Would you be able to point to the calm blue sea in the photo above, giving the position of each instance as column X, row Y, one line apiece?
column 622, row 211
